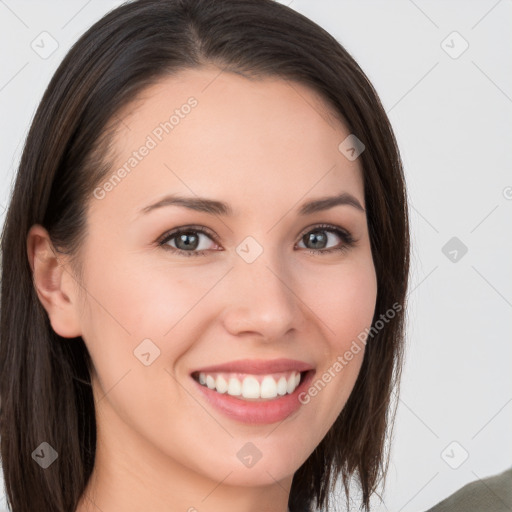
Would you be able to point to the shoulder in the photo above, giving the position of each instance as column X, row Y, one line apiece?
column 492, row 494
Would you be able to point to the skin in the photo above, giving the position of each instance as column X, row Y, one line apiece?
column 265, row 147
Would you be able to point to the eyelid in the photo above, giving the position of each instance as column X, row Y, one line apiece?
column 327, row 227
column 188, row 227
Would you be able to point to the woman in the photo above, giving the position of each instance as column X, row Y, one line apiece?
column 135, row 377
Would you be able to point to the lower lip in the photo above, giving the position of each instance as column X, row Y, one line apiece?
column 257, row 413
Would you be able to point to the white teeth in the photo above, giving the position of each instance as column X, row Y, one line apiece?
column 290, row 386
column 210, row 381
column 282, row 384
column 221, row 384
column 235, row 387
column 252, row 386
column 268, row 387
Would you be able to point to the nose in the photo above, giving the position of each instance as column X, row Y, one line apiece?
column 260, row 299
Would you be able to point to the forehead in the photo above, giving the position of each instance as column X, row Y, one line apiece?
column 218, row 134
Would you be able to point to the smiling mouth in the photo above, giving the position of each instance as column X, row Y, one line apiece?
column 251, row 387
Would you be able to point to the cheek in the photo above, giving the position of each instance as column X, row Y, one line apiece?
column 343, row 297
column 345, row 301
column 139, row 299
column 136, row 309
column 146, row 313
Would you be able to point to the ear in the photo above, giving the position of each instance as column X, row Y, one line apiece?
column 55, row 285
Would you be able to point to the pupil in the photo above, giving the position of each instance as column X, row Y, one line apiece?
column 183, row 238
column 314, row 238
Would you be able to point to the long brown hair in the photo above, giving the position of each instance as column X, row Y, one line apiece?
column 45, row 389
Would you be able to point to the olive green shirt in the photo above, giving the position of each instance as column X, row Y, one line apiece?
column 491, row 494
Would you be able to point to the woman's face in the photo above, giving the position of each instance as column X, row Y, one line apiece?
column 249, row 287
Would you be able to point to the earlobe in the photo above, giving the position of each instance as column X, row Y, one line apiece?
column 53, row 282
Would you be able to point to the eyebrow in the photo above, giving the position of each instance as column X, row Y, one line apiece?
column 213, row 207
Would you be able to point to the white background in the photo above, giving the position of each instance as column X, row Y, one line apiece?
column 452, row 118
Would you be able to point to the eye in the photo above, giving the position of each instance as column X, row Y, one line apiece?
column 187, row 241
column 317, row 236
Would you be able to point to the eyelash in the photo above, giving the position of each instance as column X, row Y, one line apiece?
column 348, row 240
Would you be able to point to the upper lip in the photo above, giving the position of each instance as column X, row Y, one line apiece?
column 257, row 366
